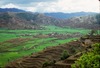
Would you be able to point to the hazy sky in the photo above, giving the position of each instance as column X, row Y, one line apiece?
column 52, row 5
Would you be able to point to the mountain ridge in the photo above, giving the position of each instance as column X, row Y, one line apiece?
column 11, row 10
column 68, row 15
column 27, row 20
column 59, row 15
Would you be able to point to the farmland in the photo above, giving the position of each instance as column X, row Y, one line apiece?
column 19, row 43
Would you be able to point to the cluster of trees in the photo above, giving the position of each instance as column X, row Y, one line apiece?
column 90, row 59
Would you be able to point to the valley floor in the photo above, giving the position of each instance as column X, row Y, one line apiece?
column 19, row 43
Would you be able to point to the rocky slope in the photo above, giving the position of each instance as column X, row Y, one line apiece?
column 90, row 22
column 26, row 20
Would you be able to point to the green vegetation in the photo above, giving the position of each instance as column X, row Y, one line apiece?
column 26, row 16
column 47, row 63
column 90, row 59
column 18, row 43
column 5, row 16
column 64, row 55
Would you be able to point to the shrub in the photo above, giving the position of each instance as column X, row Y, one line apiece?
column 90, row 59
column 45, row 64
column 64, row 55
column 49, row 63
column 96, row 48
column 73, row 50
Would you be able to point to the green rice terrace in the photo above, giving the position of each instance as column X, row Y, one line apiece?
column 19, row 43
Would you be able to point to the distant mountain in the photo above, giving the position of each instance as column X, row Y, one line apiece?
column 68, row 15
column 55, row 14
column 11, row 10
column 27, row 20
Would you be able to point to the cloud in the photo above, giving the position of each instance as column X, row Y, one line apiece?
column 24, row 1
column 56, row 5
column 67, row 6
column 10, row 5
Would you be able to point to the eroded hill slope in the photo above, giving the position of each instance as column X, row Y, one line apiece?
column 26, row 20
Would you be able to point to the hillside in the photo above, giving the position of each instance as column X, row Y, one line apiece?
column 27, row 20
column 15, row 44
column 50, row 57
column 12, row 20
column 90, row 22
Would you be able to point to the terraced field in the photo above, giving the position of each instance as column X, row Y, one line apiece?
column 37, row 60
column 19, row 43
column 53, row 54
